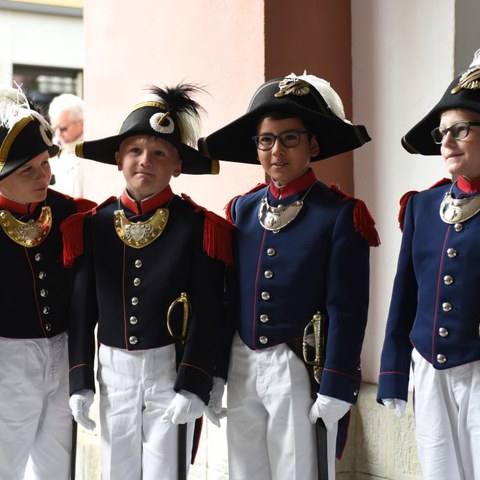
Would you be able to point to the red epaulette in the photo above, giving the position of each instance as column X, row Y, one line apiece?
column 362, row 219
column 72, row 229
column 228, row 206
column 404, row 200
column 217, row 234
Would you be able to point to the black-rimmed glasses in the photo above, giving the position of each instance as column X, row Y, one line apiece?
column 288, row 138
column 458, row 130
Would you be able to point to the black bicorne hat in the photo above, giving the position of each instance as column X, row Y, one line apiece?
column 24, row 133
column 462, row 93
column 166, row 113
column 308, row 97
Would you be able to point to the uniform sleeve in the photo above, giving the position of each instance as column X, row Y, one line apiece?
column 397, row 348
column 83, row 316
column 347, row 308
column 200, row 351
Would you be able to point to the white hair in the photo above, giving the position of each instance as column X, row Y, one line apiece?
column 66, row 102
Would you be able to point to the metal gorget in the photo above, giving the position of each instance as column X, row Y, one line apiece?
column 275, row 218
column 140, row 234
column 458, row 210
column 28, row 234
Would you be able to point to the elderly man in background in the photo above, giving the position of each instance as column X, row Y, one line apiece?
column 66, row 117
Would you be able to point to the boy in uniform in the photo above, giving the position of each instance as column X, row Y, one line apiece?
column 433, row 323
column 301, row 258
column 152, row 272
column 35, row 420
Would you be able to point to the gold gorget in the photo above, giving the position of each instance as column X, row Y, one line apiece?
column 28, row 234
column 275, row 218
column 458, row 210
column 140, row 234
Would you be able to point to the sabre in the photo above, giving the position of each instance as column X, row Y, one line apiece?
column 314, row 340
column 180, row 338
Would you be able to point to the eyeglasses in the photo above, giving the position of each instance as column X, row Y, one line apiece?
column 458, row 130
column 288, row 138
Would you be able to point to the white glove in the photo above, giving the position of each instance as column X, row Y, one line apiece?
column 397, row 404
column 329, row 409
column 184, row 408
column 214, row 410
column 80, row 404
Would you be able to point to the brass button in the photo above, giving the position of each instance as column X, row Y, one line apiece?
column 137, row 281
column 355, row 392
column 46, row 310
column 43, row 292
column 264, row 318
column 447, row 279
column 38, row 257
column 446, row 306
column 138, row 264
column 133, row 340
column 135, row 301
column 263, row 340
column 451, row 252
column 268, row 274
column 458, row 227
column 48, row 327
column 443, row 332
column 265, row 296
column 441, row 358
column 42, row 275
column 133, row 320
column 271, row 252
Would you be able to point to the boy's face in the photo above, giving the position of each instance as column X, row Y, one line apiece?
column 30, row 182
column 281, row 163
column 148, row 164
column 462, row 157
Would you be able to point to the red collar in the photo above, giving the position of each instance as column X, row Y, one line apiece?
column 16, row 207
column 468, row 186
column 294, row 187
column 147, row 205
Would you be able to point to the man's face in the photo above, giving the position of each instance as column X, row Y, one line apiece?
column 281, row 163
column 148, row 164
column 67, row 129
column 30, row 182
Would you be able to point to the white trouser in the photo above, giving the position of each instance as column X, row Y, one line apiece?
column 268, row 430
column 35, row 419
column 135, row 390
column 447, row 418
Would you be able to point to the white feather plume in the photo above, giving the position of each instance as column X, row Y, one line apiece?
column 331, row 97
column 476, row 59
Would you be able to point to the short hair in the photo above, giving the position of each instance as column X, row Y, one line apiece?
column 66, row 102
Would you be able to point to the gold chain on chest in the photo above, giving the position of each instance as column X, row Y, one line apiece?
column 28, row 234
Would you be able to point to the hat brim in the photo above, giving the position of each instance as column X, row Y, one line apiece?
column 103, row 151
column 234, row 142
column 419, row 138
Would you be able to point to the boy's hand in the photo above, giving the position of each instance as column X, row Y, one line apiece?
column 329, row 409
column 80, row 403
column 214, row 410
column 184, row 408
column 397, row 404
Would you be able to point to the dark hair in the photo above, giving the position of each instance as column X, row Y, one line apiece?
column 282, row 115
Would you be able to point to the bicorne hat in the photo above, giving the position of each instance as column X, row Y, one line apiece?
column 168, row 113
column 308, row 97
column 462, row 93
column 24, row 133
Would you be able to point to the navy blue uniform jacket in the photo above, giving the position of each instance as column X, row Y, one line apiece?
column 435, row 303
column 35, row 293
column 318, row 262
column 128, row 292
